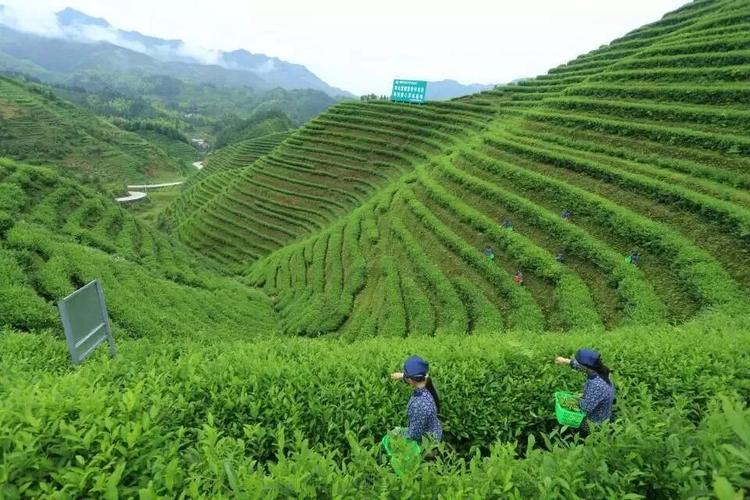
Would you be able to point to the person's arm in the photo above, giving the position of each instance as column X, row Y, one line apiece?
column 397, row 376
column 575, row 365
column 417, row 421
column 570, row 362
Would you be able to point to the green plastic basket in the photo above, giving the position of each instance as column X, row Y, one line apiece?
column 570, row 418
column 403, row 452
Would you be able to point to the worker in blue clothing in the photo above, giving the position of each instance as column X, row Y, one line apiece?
column 634, row 257
column 598, row 396
column 424, row 403
column 489, row 252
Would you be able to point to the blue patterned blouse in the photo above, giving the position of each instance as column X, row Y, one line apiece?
column 423, row 418
column 598, row 396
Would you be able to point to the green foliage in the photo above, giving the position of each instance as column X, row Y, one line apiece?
column 63, row 235
column 569, row 403
column 366, row 226
column 20, row 306
column 211, row 417
column 257, row 125
column 162, row 126
column 44, row 129
column 452, row 313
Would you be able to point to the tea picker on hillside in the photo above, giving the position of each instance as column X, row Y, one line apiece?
column 424, row 403
column 489, row 252
column 598, row 391
column 633, row 257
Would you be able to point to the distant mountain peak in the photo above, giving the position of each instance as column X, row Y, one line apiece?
column 244, row 53
column 69, row 16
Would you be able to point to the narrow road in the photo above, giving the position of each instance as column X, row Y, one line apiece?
column 132, row 196
column 139, row 195
column 155, row 186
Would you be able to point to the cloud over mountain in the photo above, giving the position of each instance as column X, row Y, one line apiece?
column 75, row 26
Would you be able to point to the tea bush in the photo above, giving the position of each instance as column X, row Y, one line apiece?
column 220, row 415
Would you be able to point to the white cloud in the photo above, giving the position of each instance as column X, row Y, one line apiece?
column 30, row 17
column 265, row 67
column 362, row 46
column 87, row 33
column 41, row 20
column 202, row 54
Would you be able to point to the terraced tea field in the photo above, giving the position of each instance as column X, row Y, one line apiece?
column 320, row 173
column 605, row 204
column 39, row 127
column 57, row 235
column 373, row 218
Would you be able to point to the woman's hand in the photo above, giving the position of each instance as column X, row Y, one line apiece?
column 562, row 361
column 397, row 376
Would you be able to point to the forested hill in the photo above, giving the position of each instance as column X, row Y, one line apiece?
column 37, row 126
column 378, row 218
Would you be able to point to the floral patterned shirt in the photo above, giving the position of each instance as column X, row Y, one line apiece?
column 598, row 396
column 423, row 418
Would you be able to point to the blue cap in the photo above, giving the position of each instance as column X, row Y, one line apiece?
column 587, row 357
column 416, row 367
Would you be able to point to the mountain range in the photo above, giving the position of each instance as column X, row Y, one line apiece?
column 450, row 89
column 80, row 45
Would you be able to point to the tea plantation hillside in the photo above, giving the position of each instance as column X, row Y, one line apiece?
column 374, row 218
column 217, row 173
column 240, row 154
column 56, row 235
column 385, row 230
column 36, row 126
column 260, row 123
column 321, row 173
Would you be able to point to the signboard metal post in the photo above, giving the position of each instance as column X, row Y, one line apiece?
column 85, row 321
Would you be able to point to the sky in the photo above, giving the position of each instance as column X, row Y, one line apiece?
column 362, row 46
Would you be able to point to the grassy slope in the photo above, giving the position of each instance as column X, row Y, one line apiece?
column 56, row 235
column 256, row 126
column 373, row 204
column 177, row 150
column 38, row 127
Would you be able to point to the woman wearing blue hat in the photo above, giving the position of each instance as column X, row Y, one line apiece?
column 598, row 391
column 424, row 404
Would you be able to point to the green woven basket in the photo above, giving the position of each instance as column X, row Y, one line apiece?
column 403, row 452
column 570, row 418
